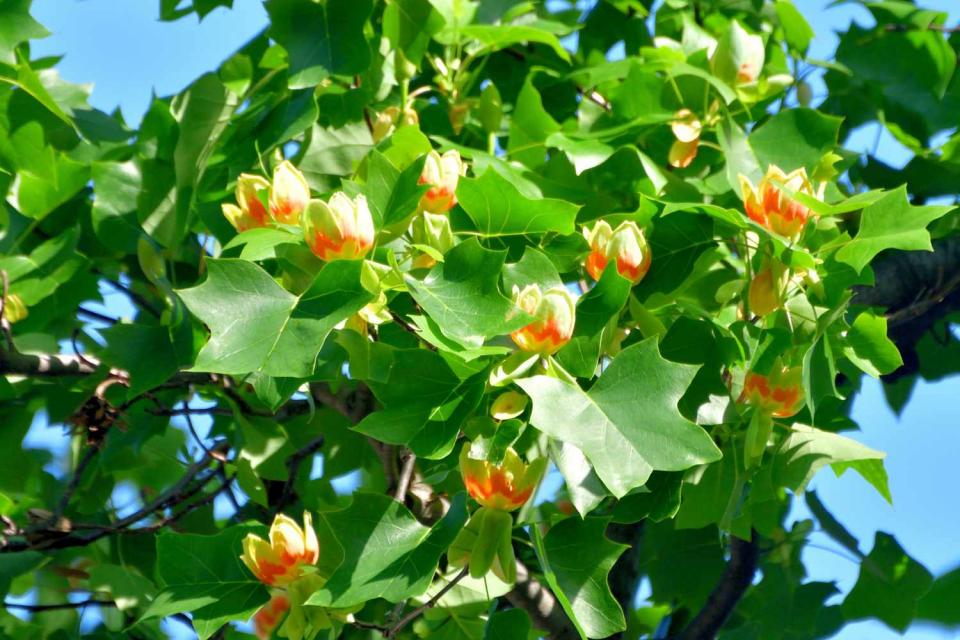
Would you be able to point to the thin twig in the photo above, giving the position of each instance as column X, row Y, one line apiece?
column 145, row 304
column 74, row 483
column 193, row 430
column 413, row 615
column 96, row 315
column 40, row 608
column 293, row 467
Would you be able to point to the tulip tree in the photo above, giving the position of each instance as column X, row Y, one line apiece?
column 460, row 320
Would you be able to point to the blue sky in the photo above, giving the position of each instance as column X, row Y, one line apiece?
column 121, row 47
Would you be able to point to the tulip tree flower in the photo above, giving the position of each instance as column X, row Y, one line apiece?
column 282, row 559
column 554, row 312
column 778, row 394
column 249, row 212
column 766, row 293
column 268, row 617
column 686, row 129
column 13, row 308
column 289, row 194
column 739, row 56
column 442, row 173
column 506, row 486
column 341, row 229
column 768, row 205
column 391, row 118
column 484, row 544
column 431, row 230
column 626, row 245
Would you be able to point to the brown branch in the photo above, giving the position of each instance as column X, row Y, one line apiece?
column 734, row 582
column 541, row 605
column 413, row 615
column 406, row 474
column 96, row 315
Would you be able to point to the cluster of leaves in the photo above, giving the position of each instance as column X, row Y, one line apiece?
column 639, row 413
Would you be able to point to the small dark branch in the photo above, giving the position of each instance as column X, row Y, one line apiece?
column 193, row 430
column 39, row 608
column 595, row 97
column 406, row 474
column 145, row 304
column 541, row 605
column 734, row 582
column 930, row 27
column 293, row 467
column 188, row 486
column 413, row 615
column 192, row 411
column 95, row 315
column 373, row 626
column 75, row 479
column 322, row 394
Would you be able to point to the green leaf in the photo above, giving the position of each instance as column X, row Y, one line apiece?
column 939, row 605
column 393, row 195
column 676, row 243
column 13, row 565
column 889, row 586
column 794, row 138
column 48, row 178
column 126, row 587
column 628, row 424
column 423, row 411
column 321, row 38
column 116, row 186
column 819, row 373
column 148, row 353
column 387, row 553
column 869, row 348
column 498, row 208
column 530, row 126
column 501, row 36
column 806, row 450
column 583, row 485
column 462, row 296
column 256, row 325
column 580, row 556
column 796, row 29
column 891, row 223
column 17, row 25
column 203, row 575
column 509, row 624
column 409, row 25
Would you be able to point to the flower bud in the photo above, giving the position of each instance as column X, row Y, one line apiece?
column 554, row 313
column 249, row 190
column 442, row 173
column 268, row 617
column 339, row 230
column 506, row 486
column 766, row 289
column 739, row 56
column 627, row 245
column 289, row 195
column 771, row 208
column 432, row 230
column 779, row 394
column 390, row 119
column 281, row 560
column 13, row 308
column 238, row 218
column 509, row 404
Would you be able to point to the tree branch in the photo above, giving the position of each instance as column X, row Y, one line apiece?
column 541, row 605
column 734, row 582
column 293, row 467
column 39, row 608
column 413, row 615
